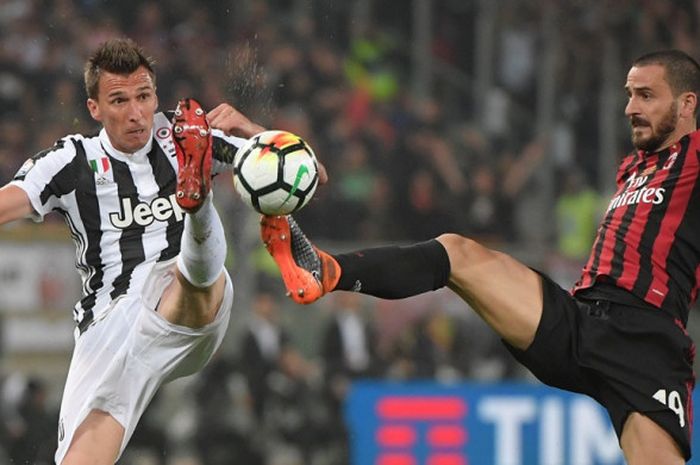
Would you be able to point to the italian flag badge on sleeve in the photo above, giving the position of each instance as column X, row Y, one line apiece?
column 100, row 166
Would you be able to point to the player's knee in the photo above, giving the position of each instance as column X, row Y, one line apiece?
column 197, row 273
column 192, row 306
column 198, row 287
column 460, row 249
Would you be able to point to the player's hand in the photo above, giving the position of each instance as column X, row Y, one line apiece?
column 232, row 122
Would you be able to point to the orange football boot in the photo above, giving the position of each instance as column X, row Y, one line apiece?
column 308, row 273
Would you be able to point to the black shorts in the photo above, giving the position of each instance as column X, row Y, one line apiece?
column 629, row 359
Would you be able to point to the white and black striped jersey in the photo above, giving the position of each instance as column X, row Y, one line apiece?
column 120, row 208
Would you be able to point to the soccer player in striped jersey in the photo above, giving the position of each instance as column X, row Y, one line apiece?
column 150, row 245
column 619, row 335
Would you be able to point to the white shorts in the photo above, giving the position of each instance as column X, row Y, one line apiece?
column 122, row 359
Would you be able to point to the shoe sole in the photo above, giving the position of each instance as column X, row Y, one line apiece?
column 301, row 285
column 192, row 137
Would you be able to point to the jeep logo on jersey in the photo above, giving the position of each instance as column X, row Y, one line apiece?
column 143, row 214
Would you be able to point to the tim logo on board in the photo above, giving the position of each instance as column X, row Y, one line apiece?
column 477, row 424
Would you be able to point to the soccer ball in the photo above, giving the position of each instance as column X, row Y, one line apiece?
column 275, row 172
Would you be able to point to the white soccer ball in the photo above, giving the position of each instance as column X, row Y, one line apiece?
column 275, row 172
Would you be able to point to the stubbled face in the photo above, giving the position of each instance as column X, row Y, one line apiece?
column 652, row 109
column 125, row 106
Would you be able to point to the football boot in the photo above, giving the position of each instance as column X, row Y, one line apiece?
column 193, row 146
column 308, row 273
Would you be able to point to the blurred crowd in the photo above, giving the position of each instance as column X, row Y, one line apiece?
column 403, row 166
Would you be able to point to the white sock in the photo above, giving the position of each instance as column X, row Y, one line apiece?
column 203, row 246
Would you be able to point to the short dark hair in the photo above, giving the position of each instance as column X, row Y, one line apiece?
column 118, row 56
column 682, row 71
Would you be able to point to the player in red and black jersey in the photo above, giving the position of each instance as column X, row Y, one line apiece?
column 648, row 242
column 619, row 336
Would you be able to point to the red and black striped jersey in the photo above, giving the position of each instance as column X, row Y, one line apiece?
column 648, row 243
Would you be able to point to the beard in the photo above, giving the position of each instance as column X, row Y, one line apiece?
column 659, row 134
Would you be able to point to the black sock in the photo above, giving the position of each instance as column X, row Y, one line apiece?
column 395, row 272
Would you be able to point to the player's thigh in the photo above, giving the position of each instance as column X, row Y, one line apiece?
column 96, row 441
column 178, row 301
column 503, row 291
column 187, row 305
column 646, row 443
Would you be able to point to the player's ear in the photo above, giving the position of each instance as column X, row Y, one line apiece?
column 94, row 109
column 689, row 102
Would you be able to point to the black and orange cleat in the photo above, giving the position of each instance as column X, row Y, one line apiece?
column 193, row 146
column 308, row 273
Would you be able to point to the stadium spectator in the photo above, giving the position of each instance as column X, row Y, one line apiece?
column 348, row 353
column 33, row 432
column 263, row 344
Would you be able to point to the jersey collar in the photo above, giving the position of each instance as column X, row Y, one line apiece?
column 140, row 156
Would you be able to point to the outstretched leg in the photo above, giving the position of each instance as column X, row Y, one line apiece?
column 505, row 293
column 195, row 295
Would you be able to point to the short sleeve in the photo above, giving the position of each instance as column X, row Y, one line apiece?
column 224, row 149
column 47, row 177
